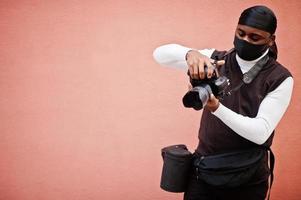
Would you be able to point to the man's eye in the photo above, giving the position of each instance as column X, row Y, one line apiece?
column 241, row 34
column 255, row 38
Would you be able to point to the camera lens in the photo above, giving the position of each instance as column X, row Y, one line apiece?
column 197, row 97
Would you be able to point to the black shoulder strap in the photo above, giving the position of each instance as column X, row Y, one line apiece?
column 252, row 73
column 249, row 76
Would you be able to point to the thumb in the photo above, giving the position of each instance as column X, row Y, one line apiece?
column 220, row 62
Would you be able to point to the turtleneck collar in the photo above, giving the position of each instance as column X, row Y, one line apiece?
column 245, row 65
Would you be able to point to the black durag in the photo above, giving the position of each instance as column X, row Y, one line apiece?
column 260, row 17
column 263, row 18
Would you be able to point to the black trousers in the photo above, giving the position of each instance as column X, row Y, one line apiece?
column 199, row 190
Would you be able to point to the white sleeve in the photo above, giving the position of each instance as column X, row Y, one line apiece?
column 173, row 55
column 271, row 110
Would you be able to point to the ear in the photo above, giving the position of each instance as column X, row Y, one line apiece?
column 273, row 38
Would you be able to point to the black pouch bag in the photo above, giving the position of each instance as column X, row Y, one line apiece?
column 177, row 163
column 229, row 170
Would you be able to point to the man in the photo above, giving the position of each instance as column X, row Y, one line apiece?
column 247, row 118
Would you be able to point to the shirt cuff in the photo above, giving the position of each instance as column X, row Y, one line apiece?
column 220, row 111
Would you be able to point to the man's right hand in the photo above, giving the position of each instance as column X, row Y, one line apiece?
column 196, row 62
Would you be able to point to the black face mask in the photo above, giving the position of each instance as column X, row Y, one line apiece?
column 248, row 51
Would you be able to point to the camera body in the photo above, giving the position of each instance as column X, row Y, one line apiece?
column 199, row 95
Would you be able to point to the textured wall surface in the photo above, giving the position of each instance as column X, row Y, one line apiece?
column 85, row 110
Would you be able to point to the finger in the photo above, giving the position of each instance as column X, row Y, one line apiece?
column 195, row 70
column 201, row 70
column 220, row 63
column 190, row 67
column 210, row 68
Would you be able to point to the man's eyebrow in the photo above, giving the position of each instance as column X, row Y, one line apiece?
column 253, row 34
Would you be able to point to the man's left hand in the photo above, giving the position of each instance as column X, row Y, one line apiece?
column 212, row 103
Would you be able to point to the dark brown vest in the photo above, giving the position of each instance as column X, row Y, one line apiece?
column 214, row 135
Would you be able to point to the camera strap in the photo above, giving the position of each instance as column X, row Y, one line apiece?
column 249, row 76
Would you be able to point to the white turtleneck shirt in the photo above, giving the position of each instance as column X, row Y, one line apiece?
column 271, row 109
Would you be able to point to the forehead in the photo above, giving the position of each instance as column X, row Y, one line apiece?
column 251, row 30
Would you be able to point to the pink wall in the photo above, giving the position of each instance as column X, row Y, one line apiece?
column 85, row 109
